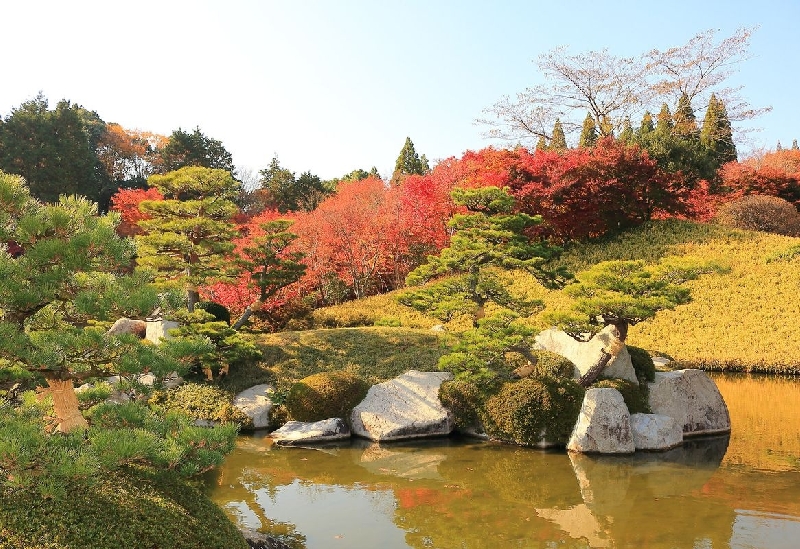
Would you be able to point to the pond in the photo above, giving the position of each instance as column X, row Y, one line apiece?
column 739, row 491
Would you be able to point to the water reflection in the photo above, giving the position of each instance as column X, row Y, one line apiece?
column 452, row 493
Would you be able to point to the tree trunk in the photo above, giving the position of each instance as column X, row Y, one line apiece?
column 245, row 316
column 65, row 404
column 609, row 352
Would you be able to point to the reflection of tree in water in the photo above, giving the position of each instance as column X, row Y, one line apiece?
column 454, row 494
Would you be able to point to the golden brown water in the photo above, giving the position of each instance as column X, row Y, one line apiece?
column 740, row 492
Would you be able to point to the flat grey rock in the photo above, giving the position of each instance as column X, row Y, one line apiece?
column 300, row 433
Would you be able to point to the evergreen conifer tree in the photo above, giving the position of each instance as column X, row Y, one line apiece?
column 488, row 237
column 684, row 118
column 664, row 123
column 559, row 141
column 716, row 134
column 409, row 163
column 646, row 125
column 188, row 234
column 541, row 144
column 589, row 132
column 627, row 134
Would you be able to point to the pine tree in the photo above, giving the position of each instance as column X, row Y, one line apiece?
column 188, row 234
column 409, row 163
column 589, row 132
column 541, row 144
column 716, row 134
column 559, row 141
column 489, row 236
column 66, row 274
column 684, row 118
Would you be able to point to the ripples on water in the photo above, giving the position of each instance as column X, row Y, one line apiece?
column 741, row 491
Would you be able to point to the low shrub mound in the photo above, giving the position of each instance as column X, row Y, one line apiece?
column 552, row 365
column 325, row 395
column 642, row 364
column 129, row 508
column 526, row 410
column 465, row 400
column 200, row 402
column 769, row 214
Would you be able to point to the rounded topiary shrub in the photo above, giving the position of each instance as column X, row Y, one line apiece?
column 525, row 410
column 325, row 395
column 199, row 401
column 760, row 213
column 635, row 396
column 220, row 312
column 465, row 399
column 553, row 365
column 642, row 364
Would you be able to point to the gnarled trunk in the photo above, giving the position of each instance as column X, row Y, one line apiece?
column 65, row 404
column 606, row 355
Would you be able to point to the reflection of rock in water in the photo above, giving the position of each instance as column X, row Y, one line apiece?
column 633, row 487
column 400, row 460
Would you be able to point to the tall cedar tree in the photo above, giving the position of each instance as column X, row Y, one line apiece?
column 188, row 234
column 558, row 141
column 409, row 163
column 716, row 134
column 685, row 121
column 588, row 133
column 489, row 236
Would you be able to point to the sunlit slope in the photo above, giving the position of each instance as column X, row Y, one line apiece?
column 743, row 319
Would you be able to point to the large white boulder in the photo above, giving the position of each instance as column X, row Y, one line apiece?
column 692, row 398
column 403, row 408
column 656, row 432
column 585, row 354
column 256, row 404
column 604, row 424
column 299, row 432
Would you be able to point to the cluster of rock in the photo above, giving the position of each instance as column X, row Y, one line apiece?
column 684, row 403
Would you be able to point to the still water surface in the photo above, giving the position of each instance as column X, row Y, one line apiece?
column 741, row 491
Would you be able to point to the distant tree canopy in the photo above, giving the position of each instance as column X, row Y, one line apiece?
column 54, row 150
column 281, row 190
column 195, row 149
column 613, row 88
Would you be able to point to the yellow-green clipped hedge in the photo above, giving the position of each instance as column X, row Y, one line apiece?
column 325, row 395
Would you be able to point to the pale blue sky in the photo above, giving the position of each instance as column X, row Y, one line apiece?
column 330, row 86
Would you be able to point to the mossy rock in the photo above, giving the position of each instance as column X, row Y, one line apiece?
column 635, row 396
column 523, row 410
column 201, row 401
column 642, row 364
column 130, row 508
column 325, row 395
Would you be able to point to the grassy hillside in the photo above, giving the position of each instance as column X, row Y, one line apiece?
column 743, row 319
column 375, row 353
